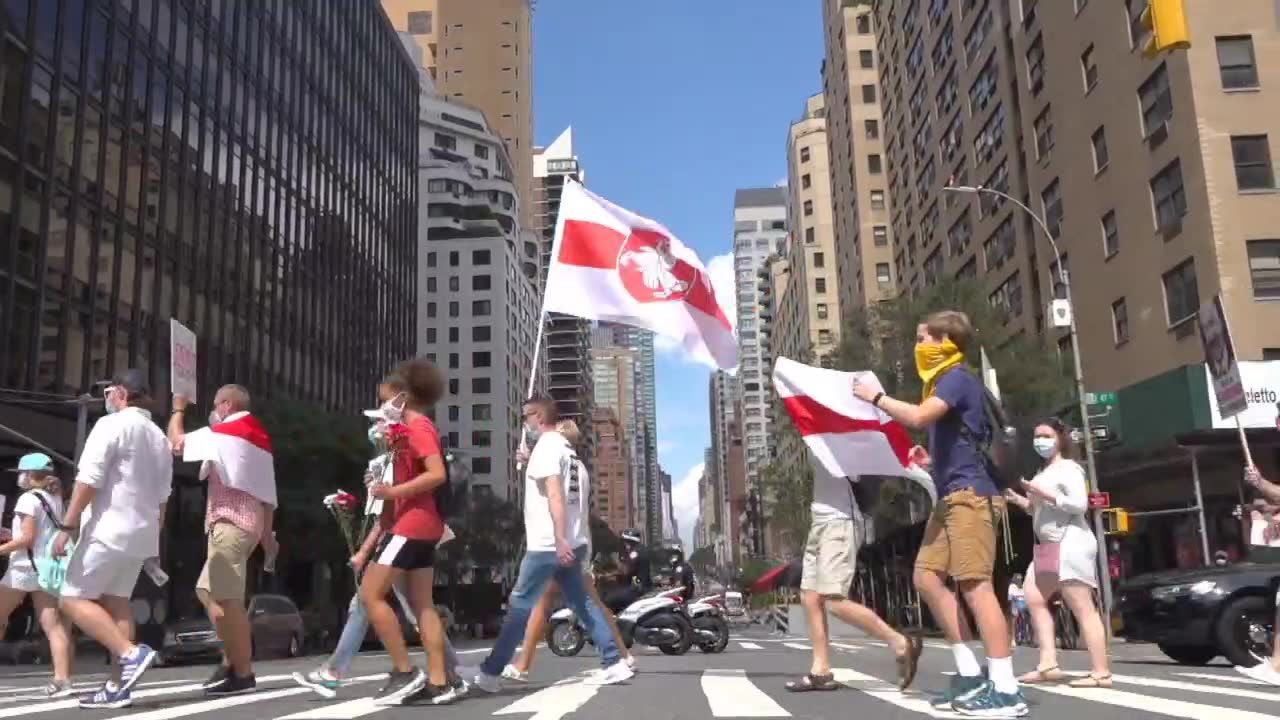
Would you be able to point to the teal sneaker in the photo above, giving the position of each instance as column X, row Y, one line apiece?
column 320, row 682
column 987, row 703
column 961, row 687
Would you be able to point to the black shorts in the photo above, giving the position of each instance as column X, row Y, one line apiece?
column 403, row 553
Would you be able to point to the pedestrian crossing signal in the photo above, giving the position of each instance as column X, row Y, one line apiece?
column 1166, row 21
column 1115, row 521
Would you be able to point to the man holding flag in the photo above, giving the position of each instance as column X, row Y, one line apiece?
column 236, row 461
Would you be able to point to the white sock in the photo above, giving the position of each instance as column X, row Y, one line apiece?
column 966, row 661
column 1002, row 674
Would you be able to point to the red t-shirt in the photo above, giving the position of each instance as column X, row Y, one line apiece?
column 417, row 517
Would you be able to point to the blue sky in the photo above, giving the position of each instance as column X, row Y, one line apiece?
column 674, row 105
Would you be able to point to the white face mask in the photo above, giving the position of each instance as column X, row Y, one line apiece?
column 1045, row 447
column 107, row 401
column 24, row 481
column 393, row 409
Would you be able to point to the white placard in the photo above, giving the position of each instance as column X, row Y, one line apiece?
column 182, row 360
column 1260, row 382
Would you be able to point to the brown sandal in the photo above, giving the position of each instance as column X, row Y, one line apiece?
column 910, row 662
column 1092, row 681
column 1043, row 676
column 811, row 682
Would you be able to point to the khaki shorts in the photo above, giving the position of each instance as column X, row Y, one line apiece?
column 960, row 539
column 223, row 577
column 830, row 557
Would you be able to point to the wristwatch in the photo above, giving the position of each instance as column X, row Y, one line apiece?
column 875, row 402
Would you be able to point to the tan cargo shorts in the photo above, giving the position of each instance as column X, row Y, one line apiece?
column 831, row 557
column 960, row 539
column 226, row 567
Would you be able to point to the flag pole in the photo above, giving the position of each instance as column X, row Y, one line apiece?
column 537, row 348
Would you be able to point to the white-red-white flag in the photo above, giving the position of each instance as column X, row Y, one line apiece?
column 848, row 436
column 610, row 264
column 239, row 450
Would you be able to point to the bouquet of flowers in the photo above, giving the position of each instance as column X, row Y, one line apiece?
column 342, row 505
column 389, row 438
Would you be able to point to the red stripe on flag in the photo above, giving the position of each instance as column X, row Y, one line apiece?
column 247, row 428
column 589, row 244
column 813, row 418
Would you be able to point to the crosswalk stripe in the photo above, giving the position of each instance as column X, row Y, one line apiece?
column 342, row 711
column 1151, row 704
column 196, row 708
column 879, row 689
column 796, row 646
column 1224, row 678
column 730, row 693
column 846, row 646
column 37, row 693
column 750, row 646
column 1196, row 687
column 158, row 692
column 553, row 703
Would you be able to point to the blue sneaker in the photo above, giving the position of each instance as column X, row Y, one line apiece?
column 987, row 703
column 133, row 666
column 107, row 697
column 961, row 688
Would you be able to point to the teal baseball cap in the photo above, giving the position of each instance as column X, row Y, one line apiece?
column 35, row 462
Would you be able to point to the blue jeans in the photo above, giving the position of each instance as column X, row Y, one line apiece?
column 536, row 570
column 357, row 626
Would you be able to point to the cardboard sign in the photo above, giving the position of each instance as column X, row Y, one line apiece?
column 182, row 360
column 1220, row 358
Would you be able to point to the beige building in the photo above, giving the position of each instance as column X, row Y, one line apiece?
column 856, row 136
column 611, row 482
column 482, row 54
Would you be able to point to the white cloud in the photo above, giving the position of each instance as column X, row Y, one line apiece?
column 781, row 183
column 684, row 501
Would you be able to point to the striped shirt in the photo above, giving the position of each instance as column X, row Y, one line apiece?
column 231, row 505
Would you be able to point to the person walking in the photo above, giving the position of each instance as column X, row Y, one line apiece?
column 826, row 578
column 412, row 528
column 124, row 480
column 1264, row 532
column 558, row 537
column 1066, row 555
column 234, row 453
column 960, row 537
column 36, row 518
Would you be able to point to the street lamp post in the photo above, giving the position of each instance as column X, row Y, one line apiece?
column 1104, row 575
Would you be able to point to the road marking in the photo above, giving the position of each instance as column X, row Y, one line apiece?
column 1150, row 704
column 796, row 646
column 730, row 693
column 877, row 688
column 750, row 646
column 1225, row 678
column 846, row 646
column 159, row 692
column 80, row 686
column 1195, row 687
column 554, row 702
column 342, row 711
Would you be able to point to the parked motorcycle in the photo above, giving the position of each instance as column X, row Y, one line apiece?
column 710, row 628
column 659, row 620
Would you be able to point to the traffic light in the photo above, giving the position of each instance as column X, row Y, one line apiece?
column 1166, row 20
column 1115, row 521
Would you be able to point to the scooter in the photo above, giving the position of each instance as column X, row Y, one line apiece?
column 710, row 628
column 659, row 620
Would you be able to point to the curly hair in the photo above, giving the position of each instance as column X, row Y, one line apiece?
column 421, row 379
column 1066, row 447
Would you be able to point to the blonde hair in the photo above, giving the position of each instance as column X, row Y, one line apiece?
column 42, row 480
column 569, row 429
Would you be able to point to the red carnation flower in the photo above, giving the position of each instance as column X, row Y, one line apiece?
column 346, row 501
column 396, row 434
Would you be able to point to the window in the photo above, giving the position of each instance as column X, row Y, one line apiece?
column 431, row 259
column 822, row 311
column 874, row 164
column 454, row 284
column 446, row 142
column 984, row 87
column 805, row 181
column 481, row 385
column 1044, row 133
column 824, row 337
column 1100, row 155
column 1052, row 201
column 480, row 257
column 453, row 334
column 882, row 275
column 481, row 308
column 453, row 258
column 481, row 412
column 481, row 438
column 482, row 151
column 1264, row 268
column 1080, row 5
column 1181, row 292
column 1156, row 100
column 808, row 208
column 877, row 199
column 820, row 285
column 420, row 23
column 481, row 282
column 481, row 359
column 1269, row 354
column 1120, row 321
column 880, row 235
column 453, row 309
column 873, row 129
column 1088, row 68
column 1167, row 196
column 864, row 24
column 454, row 412
column 431, row 309
column 1252, row 157
column 431, row 335
column 481, row 333
column 431, row 284
column 1110, row 234
column 1134, row 8
column 804, row 154
column 1236, row 63
column 866, row 59
column 1035, row 65
column 453, row 386
column 868, row 93
column 819, row 260
column 453, row 361
column 808, row 235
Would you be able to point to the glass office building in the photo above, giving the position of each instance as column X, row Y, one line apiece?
column 245, row 167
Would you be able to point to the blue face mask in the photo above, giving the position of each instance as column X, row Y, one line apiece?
column 375, row 435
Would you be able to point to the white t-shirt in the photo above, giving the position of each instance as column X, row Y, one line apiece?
column 29, row 505
column 129, row 461
column 1263, row 530
column 552, row 455
column 832, row 497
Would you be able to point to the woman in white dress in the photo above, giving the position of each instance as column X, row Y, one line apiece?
column 36, row 516
column 1065, row 556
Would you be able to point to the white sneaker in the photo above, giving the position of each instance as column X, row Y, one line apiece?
column 631, row 662
column 511, row 673
column 475, row 677
column 1262, row 672
column 616, row 673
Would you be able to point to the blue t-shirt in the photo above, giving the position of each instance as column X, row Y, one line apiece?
column 957, row 464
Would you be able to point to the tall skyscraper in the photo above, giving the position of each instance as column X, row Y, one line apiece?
column 611, row 481
column 855, row 135
column 481, row 54
column 645, row 439
column 722, row 394
column 477, row 312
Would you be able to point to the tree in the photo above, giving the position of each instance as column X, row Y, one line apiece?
column 703, row 560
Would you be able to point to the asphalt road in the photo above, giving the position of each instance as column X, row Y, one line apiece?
column 744, row 682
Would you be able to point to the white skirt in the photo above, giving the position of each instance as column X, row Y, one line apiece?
column 21, row 577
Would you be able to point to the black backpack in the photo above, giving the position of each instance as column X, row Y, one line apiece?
column 446, row 494
column 999, row 444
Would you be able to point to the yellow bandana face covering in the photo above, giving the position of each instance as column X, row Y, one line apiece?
column 933, row 359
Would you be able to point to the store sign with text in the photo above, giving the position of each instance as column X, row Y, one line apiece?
column 1261, row 384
